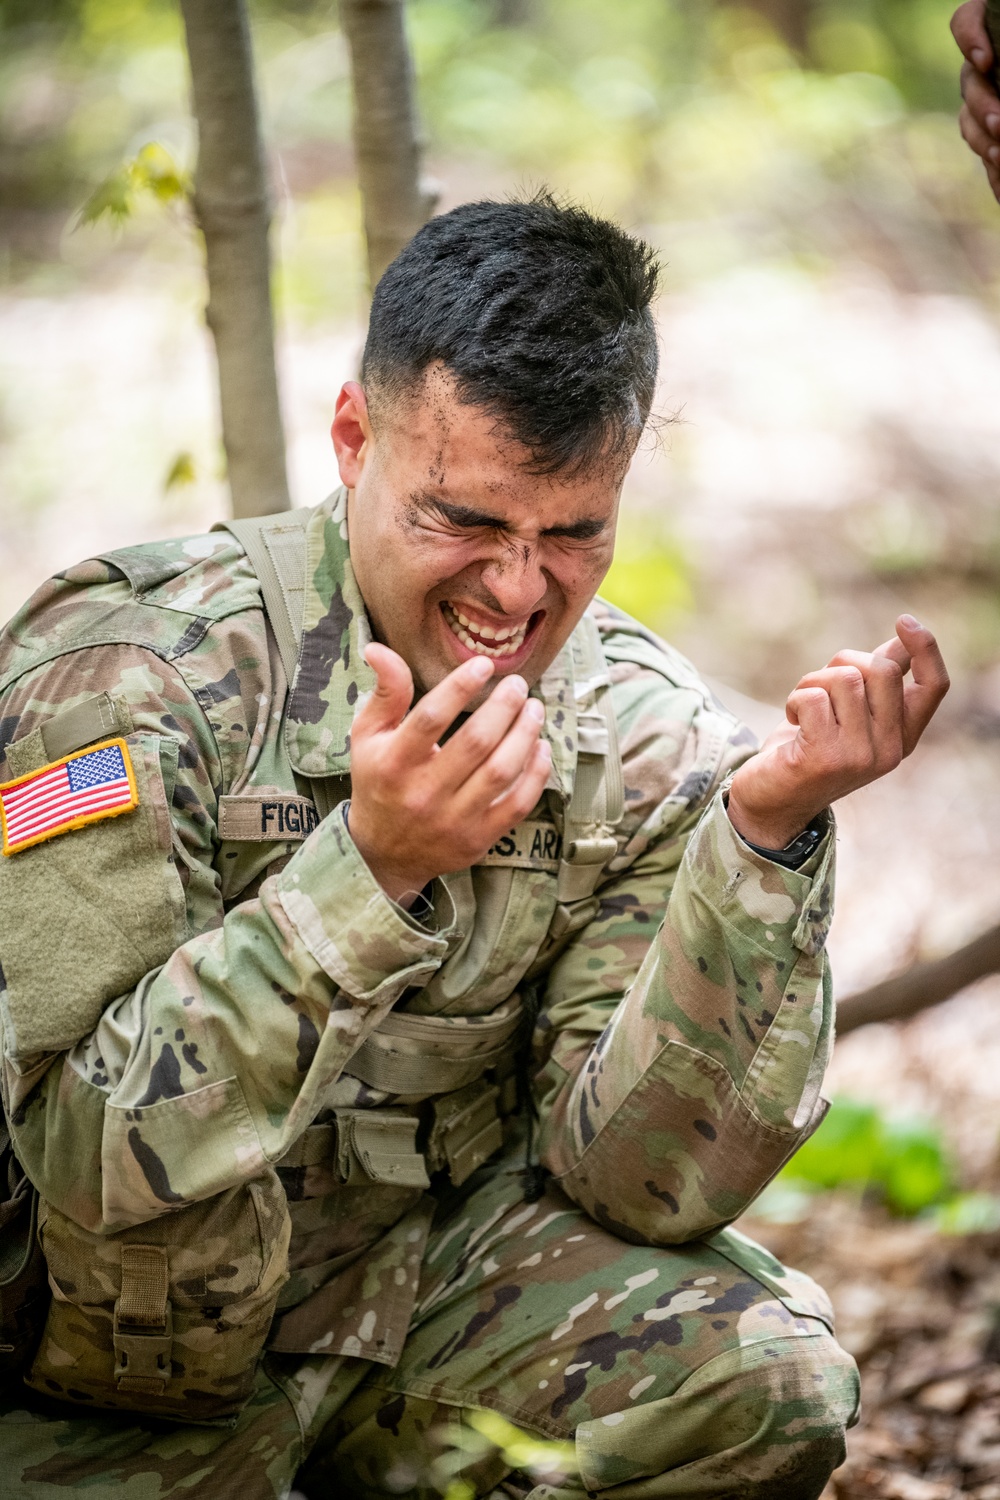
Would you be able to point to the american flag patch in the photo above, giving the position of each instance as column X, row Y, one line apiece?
column 70, row 793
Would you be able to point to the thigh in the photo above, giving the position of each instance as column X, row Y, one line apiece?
column 536, row 1312
column 50, row 1449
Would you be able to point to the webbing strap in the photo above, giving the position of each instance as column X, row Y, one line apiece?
column 598, row 799
column 395, row 1072
column 313, row 1147
column 275, row 547
column 143, row 1329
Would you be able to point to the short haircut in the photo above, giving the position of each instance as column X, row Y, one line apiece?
column 540, row 311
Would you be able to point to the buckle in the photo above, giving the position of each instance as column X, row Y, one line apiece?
column 142, row 1355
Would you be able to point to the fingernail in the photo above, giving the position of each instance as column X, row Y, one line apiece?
column 994, row 155
column 535, row 710
column 482, row 667
column 979, row 57
column 911, row 622
column 993, row 124
column 519, row 685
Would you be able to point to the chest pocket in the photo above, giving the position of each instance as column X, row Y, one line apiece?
column 505, row 912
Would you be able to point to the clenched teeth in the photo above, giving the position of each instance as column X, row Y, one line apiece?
column 475, row 637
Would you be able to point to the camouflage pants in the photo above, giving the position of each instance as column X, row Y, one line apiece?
column 705, row 1369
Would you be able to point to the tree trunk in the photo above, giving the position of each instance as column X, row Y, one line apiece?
column 386, row 138
column 233, row 208
column 922, row 985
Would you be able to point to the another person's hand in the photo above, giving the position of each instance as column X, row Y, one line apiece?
column 979, row 118
column 848, row 724
column 421, row 809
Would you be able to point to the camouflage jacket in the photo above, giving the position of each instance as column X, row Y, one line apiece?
column 185, row 987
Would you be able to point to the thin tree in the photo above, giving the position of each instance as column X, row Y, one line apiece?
column 233, row 208
column 387, row 139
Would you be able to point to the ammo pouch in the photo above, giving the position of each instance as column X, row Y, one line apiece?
column 24, row 1292
column 465, row 1062
column 460, row 1073
column 167, row 1318
column 396, row 1146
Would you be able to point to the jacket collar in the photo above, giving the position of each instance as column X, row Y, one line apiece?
column 331, row 674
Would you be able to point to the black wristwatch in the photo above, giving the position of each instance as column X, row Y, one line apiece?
column 794, row 854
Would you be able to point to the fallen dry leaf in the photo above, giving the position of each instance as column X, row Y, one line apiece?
column 920, row 1311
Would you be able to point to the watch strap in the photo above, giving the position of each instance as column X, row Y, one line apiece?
column 794, row 854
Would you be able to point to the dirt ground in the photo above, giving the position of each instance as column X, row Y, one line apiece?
column 921, row 1314
column 919, row 1310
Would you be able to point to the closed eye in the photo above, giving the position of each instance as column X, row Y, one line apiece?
column 580, row 531
column 468, row 518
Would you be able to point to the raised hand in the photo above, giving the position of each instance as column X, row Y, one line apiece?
column 848, row 724
column 979, row 118
column 420, row 808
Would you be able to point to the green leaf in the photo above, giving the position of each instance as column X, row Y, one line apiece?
column 522, row 1450
column 113, row 199
column 181, row 471
column 845, row 1148
column 903, row 1158
column 153, row 170
column 913, row 1171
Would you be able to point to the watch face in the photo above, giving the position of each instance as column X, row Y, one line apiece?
column 800, row 849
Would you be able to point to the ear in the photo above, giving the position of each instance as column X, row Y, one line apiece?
column 351, row 432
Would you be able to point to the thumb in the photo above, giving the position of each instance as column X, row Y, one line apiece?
column 386, row 705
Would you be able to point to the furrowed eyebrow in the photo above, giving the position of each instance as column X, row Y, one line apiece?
column 464, row 515
column 471, row 519
column 579, row 531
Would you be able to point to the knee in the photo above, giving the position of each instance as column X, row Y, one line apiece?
column 763, row 1420
column 801, row 1395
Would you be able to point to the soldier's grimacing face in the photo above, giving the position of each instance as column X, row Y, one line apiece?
column 458, row 549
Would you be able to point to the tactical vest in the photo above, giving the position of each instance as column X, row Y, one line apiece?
column 164, row 1334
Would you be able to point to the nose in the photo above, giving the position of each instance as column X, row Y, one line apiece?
column 516, row 580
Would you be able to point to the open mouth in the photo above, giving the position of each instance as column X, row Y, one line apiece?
column 487, row 640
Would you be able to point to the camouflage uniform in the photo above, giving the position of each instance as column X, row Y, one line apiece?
column 226, row 969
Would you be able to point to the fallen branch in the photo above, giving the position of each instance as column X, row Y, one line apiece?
column 922, row 985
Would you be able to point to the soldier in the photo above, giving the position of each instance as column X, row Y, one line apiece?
column 410, row 969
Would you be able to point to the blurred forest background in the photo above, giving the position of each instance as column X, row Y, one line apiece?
column 827, row 454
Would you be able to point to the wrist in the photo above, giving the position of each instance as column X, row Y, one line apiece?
column 401, row 885
column 766, row 830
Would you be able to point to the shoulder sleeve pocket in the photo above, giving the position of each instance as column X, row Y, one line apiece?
column 84, row 915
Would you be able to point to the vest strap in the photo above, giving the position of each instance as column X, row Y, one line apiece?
column 392, row 1072
column 274, row 546
column 143, row 1326
column 598, row 799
